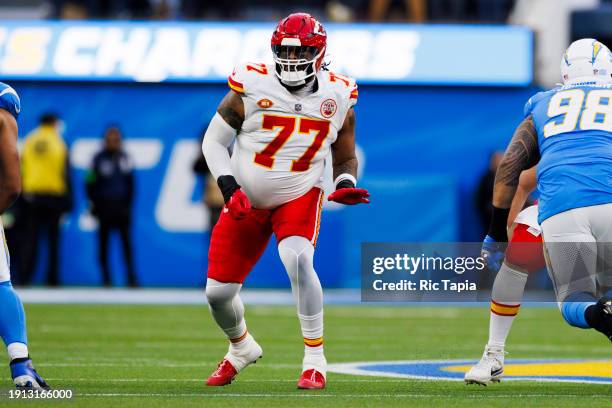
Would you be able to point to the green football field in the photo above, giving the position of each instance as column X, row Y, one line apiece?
column 159, row 356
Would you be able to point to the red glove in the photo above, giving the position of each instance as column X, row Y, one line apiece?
column 350, row 196
column 238, row 205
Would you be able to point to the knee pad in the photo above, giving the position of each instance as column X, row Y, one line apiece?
column 296, row 253
column 220, row 292
column 525, row 250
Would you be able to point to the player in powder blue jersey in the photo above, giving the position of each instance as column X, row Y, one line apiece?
column 567, row 132
column 12, row 315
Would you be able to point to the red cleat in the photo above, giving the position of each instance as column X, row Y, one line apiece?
column 223, row 375
column 311, row 380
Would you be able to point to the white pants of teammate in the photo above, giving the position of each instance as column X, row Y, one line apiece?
column 578, row 249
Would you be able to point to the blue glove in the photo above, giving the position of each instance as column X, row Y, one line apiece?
column 493, row 252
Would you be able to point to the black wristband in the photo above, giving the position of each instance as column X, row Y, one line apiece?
column 345, row 184
column 499, row 223
column 228, row 185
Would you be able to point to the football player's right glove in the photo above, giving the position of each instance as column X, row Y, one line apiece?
column 346, row 193
column 493, row 253
column 237, row 203
column 350, row 196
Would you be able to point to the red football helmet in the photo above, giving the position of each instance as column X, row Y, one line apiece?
column 298, row 48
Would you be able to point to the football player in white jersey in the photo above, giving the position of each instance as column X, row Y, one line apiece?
column 523, row 256
column 285, row 119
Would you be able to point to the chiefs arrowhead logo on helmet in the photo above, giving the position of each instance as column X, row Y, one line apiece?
column 298, row 48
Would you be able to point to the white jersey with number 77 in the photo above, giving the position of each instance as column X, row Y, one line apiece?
column 281, row 149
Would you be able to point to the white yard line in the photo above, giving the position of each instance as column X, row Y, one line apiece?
column 170, row 296
column 195, row 296
column 153, row 363
column 339, row 395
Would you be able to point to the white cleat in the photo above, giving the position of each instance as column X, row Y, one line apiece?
column 248, row 354
column 489, row 369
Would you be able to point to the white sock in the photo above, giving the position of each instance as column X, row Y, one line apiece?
column 237, row 331
column 17, row 350
column 314, row 357
column 238, row 346
column 506, row 299
column 314, row 352
column 499, row 327
column 312, row 330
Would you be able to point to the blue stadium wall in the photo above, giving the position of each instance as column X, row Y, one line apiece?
column 423, row 147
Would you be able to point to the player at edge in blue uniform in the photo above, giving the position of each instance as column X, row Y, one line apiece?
column 567, row 132
column 12, row 315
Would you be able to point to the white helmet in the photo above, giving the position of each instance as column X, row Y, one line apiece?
column 586, row 60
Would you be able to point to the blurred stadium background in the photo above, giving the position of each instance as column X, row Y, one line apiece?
column 443, row 84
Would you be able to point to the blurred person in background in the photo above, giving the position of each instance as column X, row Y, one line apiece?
column 197, row 9
column 448, row 10
column 71, row 10
column 103, row 9
column 213, row 198
column 484, row 11
column 484, row 191
column 47, row 194
column 110, row 188
column 415, row 10
column 493, row 11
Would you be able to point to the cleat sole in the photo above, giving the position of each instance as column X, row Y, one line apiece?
column 474, row 382
column 484, row 383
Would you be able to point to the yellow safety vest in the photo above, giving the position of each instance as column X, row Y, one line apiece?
column 43, row 162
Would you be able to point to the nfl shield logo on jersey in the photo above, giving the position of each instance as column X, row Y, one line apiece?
column 298, row 107
column 328, row 108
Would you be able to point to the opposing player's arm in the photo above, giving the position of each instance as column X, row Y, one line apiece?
column 527, row 184
column 345, row 164
column 522, row 153
column 10, row 175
